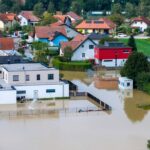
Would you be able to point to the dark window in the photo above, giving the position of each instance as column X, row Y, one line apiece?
column 83, row 55
column 27, row 78
column 128, row 84
column 125, row 51
column 0, row 72
column 50, row 76
column 91, row 46
column 108, row 60
column 50, row 91
column 38, row 77
column 82, row 45
column 15, row 78
column 21, row 92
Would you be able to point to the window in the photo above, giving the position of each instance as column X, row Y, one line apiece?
column 82, row 45
column 108, row 60
column 125, row 51
column 91, row 46
column 50, row 76
column 83, row 55
column 21, row 92
column 38, row 77
column 0, row 72
column 50, row 91
column 128, row 84
column 27, row 78
column 15, row 78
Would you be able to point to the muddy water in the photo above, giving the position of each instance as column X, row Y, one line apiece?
column 126, row 128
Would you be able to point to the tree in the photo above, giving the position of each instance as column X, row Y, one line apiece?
column 132, row 43
column 48, row 19
column 76, row 7
column 116, row 9
column 51, row 7
column 16, row 8
column 38, row 9
column 135, row 64
column 67, row 53
column 130, row 10
column 148, row 144
column 148, row 31
column 117, row 18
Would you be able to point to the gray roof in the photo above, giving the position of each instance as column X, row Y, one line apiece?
column 25, row 67
column 97, row 36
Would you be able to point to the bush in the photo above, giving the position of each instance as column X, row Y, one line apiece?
column 72, row 66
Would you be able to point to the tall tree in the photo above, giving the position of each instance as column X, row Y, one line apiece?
column 132, row 43
column 51, row 7
column 38, row 9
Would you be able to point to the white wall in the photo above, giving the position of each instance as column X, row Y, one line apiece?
column 141, row 25
column 8, row 97
column 61, row 90
column 120, row 62
column 23, row 21
column 89, row 53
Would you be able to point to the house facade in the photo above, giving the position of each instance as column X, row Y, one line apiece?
column 82, row 48
column 28, row 18
column 7, row 20
column 7, row 47
column 103, row 26
column 51, row 35
column 31, row 81
column 140, row 23
column 112, row 54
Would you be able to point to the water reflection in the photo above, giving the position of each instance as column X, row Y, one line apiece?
column 134, row 113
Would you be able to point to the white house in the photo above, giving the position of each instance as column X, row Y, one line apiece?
column 30, row 81
column 82, row 48
column 125, row 83
column 28, row 18
column 141, row 23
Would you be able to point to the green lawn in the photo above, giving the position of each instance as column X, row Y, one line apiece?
column 143, row 45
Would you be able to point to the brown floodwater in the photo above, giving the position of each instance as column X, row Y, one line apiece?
column 126, row 128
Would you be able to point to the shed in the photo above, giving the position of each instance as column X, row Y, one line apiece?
column 125, row 83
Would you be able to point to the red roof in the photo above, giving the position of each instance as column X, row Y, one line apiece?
column 8, row 17
column 60, row 17
column 29, row 16
column 74, row 15
column 141, row 18
column 49, row 32
column 75, row 43
column 6, row 44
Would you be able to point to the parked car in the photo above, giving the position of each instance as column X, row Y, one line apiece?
column 121, row 35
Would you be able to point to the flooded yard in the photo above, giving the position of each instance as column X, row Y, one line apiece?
column 125, row 128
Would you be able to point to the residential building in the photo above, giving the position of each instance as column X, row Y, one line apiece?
column 103, row 25
column 51, row 35
column 140, row 23
column 30, row 81
column 82, row 48
column 28, row 18
column 73, row 16
column 112, row 54
column 7, row 47
column 7, row 20
column 125, row 83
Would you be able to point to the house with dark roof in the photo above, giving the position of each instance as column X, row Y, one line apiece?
column 82, row 48
column 28, row 18
column 112, row 54
column 141, row 23
column 7, row 47
column 7, row 20
column 51, row 35
column 103, row 25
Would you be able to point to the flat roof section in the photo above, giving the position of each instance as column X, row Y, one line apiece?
column 26, row 67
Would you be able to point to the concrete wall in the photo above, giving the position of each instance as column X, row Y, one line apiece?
column 8, row 97
column 61, row 90
column 33, row 77
column 89, row 53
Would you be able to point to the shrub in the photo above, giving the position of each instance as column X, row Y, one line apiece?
column 72, row 66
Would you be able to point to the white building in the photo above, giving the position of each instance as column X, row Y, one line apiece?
column 30, row 81
column 141, row 23
column 82, row 48
column 125, row 83
column 27, row 18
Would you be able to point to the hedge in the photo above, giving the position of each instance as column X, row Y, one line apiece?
column 72, row 66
